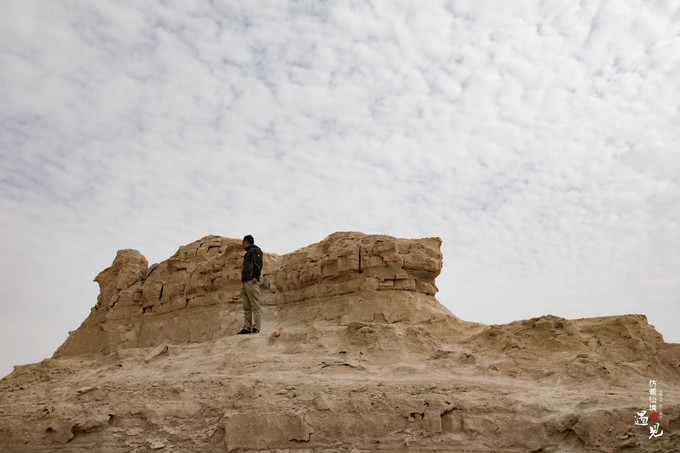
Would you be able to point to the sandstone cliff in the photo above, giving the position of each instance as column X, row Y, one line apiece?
column 356, row 354
column 194, row 295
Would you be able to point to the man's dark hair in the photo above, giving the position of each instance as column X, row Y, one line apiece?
column 249, row 239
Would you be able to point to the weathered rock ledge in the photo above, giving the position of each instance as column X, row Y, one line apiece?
column 194, row 295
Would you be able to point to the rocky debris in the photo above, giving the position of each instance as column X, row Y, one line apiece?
column 352, row 359
column 61, row 431
column 155, row 352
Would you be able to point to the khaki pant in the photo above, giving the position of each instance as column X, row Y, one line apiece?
column 250, row 294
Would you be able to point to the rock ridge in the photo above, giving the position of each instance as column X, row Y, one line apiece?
column 193, row 296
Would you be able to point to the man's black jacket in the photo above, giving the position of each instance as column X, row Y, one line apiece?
column 252, row 264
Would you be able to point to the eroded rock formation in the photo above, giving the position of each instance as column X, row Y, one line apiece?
column 194, row 295
column 356, row 355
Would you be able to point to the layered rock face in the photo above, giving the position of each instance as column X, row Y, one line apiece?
column 194, row 295
column 356, row 355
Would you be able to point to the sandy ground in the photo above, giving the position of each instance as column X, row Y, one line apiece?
column 542, row 385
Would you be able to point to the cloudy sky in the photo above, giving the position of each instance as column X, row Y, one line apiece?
column 539, row 140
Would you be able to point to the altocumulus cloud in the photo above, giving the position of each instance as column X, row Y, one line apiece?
column 540, row 140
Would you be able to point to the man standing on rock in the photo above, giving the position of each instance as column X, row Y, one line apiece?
column 250, row 286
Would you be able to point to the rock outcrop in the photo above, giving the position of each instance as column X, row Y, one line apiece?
column 356, row 355
column 194, row 295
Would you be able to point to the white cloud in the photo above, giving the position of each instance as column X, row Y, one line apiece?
column 538, row 139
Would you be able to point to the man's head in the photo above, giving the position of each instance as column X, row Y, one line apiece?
column 247, row 241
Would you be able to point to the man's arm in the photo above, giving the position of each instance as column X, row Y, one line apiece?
column 257, row 264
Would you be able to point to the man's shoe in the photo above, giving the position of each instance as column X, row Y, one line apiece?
column 255, row 330
column 243, row 331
